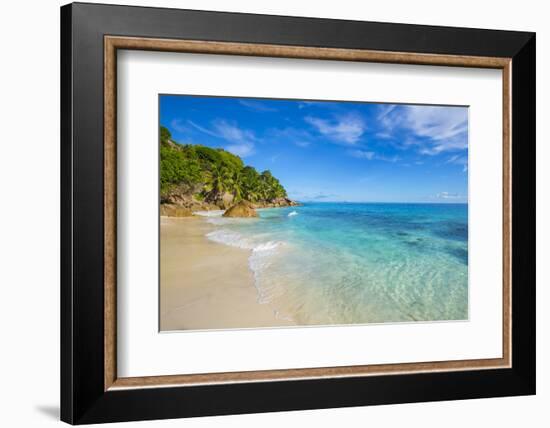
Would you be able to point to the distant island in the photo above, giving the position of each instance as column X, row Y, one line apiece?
column 194, row 177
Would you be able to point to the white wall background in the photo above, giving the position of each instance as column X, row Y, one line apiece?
column 29, row 214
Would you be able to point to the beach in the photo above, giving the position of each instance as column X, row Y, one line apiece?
column 316, row 264
column 204, row 284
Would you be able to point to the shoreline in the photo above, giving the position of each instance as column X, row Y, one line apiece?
column 205, row 284
column 191, row 207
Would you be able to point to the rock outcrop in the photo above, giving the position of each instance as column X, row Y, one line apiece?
column 170, row 210
column 183, row 205
column 241, row 209
column 188, row 201
column 223, row 201
column 276, row 203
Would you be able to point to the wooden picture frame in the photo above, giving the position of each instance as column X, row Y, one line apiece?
column 91, row 390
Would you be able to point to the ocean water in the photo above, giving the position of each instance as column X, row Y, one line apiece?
column 348, row 263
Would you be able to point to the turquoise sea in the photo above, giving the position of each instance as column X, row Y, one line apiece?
column 347, row 263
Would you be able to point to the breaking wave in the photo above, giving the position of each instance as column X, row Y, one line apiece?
column 259, row 260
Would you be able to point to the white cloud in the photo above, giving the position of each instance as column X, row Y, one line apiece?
column 435, row 129
column 201, row 128
column 304, row 104
column 312, row 196
column 178, row 126
column 392, row 159
column 384, row 135
column 346, row 129
column 241, row 142
column 257, row 106
column 385, row 110
column 362, row 154
column 322, row 195
column 243, row 150
column 298, row 137
column 453, row 159
column 438, row 123
column 459, row 160
column 448, row 195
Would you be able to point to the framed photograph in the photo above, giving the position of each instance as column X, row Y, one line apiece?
column 265, row 213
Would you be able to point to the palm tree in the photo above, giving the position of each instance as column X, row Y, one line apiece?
column 237, row 181
column 263, row 190
column 218, row 182
column 249, row 179
column 269, row 184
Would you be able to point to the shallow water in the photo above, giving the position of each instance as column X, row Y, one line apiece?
column 346, row 263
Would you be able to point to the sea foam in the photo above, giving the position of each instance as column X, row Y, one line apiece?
column 259, row 260
column 228, row 237
column 235, row 239
column 213, row 213
column 292, row 214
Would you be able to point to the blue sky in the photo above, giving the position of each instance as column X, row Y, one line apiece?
column 335, row 151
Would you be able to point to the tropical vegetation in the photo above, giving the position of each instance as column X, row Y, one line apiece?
column 211, row 174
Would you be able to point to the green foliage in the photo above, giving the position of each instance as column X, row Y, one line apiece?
column 208, row 173
column 176, row 168
column 219, row 180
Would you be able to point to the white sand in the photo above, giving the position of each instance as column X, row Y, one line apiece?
column 206, row 285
